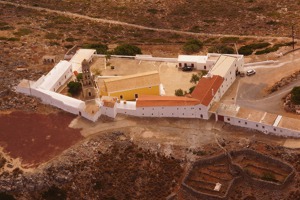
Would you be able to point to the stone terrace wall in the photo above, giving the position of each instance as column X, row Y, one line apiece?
column 262, row 183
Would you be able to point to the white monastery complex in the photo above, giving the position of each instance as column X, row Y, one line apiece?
column 144, row 97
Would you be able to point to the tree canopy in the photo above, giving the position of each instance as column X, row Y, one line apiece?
column 192, row 46
column 295, row 95
column 179, row 92
column 100, row 48
column 74, row 88
column 127, row 49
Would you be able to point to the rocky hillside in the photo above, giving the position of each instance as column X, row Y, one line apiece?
column 255, row 17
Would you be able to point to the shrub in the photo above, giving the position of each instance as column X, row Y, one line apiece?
column 192, row 46
column 22, row 32
column 79, row 77
column 5, row 26
column 248, row 49
column 5, row 196
column 127, row 49
column 62, row 20
column 152, row 10
column 74, row 88
column 51, row 36
column 54, row 193
column 179, row 92
column 221, row 49
column 195, row 29
column 13, row 39
column 191, row 89
column 295, row 95
column 229, row 39
column 267, row 50
column 195, row 78
column 268, row 176
column 70, row 39
column 100, row 48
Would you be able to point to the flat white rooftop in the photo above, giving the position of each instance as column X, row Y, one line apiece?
column 193, row 59
column 55, row 74
column 81, row 54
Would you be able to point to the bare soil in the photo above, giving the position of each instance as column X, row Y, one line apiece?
column 36, row 138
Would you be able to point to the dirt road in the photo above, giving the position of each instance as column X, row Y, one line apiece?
column 115, row 22
column 251, row 91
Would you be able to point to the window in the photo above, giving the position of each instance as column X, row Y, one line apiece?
column 121, row 96
column 246, row 123
column 239, row 121
column 201, row 116
column 274, row 129
column 228, row 119
column 263, row 126
column 199, row 108
column 136, row 96
column 256, row 125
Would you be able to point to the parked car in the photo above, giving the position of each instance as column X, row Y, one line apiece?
column 250, row 72
column 186, row 69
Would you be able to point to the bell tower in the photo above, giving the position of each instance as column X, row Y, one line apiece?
column 88, row 84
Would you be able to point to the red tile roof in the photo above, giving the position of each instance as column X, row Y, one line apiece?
column 207, row 88
column 152, row 100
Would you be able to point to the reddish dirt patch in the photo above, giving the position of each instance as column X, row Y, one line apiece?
column 36, row 138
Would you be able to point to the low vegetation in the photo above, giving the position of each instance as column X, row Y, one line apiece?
column 250, row 48
column 100, row 48
column 295, row 95
column 23, row 32
column 224, row 49
column 74, row 88
column 54, row 193
column 179, row 92
column 268, row 176
column 273, row 48
column 192, row 46
column 127, row 49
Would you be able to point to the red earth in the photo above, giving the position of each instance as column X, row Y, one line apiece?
column 36, row 138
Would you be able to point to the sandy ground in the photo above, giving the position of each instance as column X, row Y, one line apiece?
column 171, row 78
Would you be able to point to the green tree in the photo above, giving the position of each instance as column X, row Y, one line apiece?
column 79, row 77
column 179, row 92
column 192, row 46
column 195, row 78
column 100, row 48
column 74, row 88
column 191, row 89
column 127, row 49
column 295, row 95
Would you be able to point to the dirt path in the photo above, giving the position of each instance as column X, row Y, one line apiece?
column 115, row 22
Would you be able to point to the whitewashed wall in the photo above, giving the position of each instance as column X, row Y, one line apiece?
column 198, row 111
column 108, row 111
column 265, row 128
